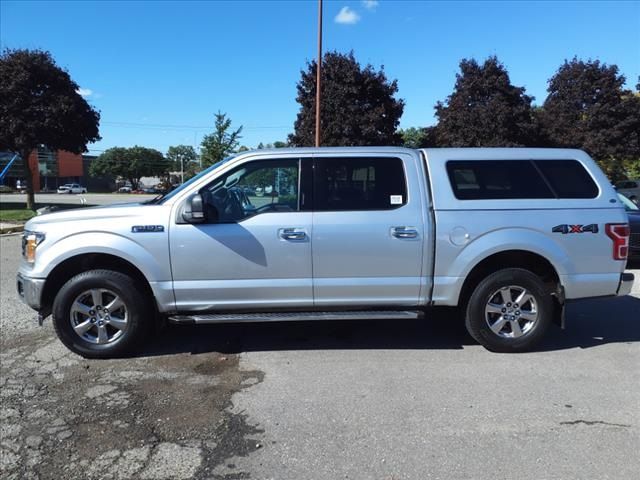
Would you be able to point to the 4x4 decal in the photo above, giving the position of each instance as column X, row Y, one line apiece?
column 593, row 228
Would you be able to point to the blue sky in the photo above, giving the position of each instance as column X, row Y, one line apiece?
column 158, row 70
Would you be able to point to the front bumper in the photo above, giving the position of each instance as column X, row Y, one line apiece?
column 626, row 283
column 30, row 290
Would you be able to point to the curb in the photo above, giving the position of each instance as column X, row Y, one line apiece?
column 10, row 230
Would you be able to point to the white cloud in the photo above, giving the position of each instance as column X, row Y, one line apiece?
column 347, row 16
column 370, row 4
column 84, row 92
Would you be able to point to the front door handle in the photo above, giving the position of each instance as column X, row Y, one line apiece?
column 404, row 232
column 292, row 234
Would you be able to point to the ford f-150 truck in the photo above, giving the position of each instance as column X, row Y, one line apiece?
column 508, row 235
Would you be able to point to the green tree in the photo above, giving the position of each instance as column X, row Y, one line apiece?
column 358, row 104
column 131, row 164
column 631, row 168
column 219, row 144
column 485, row 109
column 276, row 144
column 181, row 156
column 39, row 105
column 414, row 137
column 629, row 128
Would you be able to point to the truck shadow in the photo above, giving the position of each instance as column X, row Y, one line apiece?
column 595, row 322
column 590, row 323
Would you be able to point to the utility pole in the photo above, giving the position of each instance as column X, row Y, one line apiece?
column 318, row 73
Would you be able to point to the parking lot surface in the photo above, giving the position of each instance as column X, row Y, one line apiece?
column 358, row 400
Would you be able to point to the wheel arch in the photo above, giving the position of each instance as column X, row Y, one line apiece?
column 525, row 259
column 76, row 264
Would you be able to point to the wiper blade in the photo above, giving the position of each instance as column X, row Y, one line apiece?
column 155, row 199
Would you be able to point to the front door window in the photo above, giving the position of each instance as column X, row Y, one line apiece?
column 254, row 188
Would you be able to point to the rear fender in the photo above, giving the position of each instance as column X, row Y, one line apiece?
column 505, row 239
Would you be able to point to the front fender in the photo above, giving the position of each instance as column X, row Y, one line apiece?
column 151, row 260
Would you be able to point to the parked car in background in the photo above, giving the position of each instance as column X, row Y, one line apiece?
column 629, row 188
column 633, row 212
column 72, row 188
column 125, row 189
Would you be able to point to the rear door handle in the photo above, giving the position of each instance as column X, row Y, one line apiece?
column 404, row 232
column 292, row 234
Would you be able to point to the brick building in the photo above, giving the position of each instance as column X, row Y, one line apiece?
column 49, row 169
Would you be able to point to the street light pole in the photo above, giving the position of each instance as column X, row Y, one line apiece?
column 318, row 73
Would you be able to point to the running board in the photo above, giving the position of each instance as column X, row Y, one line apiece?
column 295, row 316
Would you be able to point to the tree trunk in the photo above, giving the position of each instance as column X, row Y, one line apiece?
column 31, row 200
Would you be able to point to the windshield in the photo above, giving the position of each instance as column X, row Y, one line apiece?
column 628, row 204
column 191, row 181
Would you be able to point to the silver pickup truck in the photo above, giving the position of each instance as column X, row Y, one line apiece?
column 508, row 235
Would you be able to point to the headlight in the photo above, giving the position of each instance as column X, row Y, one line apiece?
column 30, row 241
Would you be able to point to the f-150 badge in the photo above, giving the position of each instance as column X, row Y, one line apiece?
column 593, row 228
column 147, row 228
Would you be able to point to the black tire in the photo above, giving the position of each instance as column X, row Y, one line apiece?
column 139, row 312
column 476, row 318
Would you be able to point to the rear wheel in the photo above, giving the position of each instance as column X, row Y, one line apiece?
column 509, row 311
column 100, row 314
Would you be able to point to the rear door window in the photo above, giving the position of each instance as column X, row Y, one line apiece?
column 357, row 183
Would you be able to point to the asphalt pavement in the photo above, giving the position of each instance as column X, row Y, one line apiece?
column 326, row 400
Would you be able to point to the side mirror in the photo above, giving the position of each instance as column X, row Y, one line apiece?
column 194, row 209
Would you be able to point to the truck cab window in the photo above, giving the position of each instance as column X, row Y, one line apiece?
column 253, row 188
column 359, row 184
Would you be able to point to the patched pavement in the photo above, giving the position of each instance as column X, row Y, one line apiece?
column 326, row 400
column 151, row 417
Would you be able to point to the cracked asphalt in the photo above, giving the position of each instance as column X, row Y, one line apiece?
column 357, row 400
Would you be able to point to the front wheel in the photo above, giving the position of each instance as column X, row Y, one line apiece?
column 101, row 314
column 509, row 311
